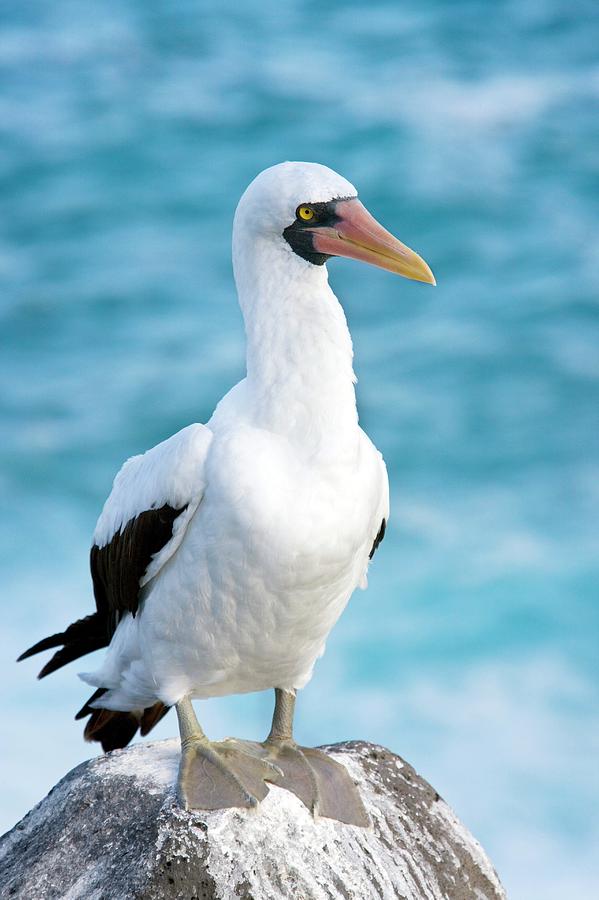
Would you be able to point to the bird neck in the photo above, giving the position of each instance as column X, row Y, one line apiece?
column 299, row 349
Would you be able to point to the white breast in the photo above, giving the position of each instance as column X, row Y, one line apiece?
column 266, row 568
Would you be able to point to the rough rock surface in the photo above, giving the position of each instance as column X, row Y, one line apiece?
column 111, row 829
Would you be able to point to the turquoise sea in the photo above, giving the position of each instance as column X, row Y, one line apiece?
column 128, row 131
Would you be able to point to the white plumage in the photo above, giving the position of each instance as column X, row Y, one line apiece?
column 284, row 494
column 224, row 555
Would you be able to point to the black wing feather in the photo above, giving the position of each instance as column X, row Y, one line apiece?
column 116, row 569
column 118, row 566
column 378, row 539
column 116, row 572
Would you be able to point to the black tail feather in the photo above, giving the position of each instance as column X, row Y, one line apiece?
column 110, row 728
column 83, row 636
column 152, row 716
column 87, row 709
column 114, row 729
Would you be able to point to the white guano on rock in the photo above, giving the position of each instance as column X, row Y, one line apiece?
column 111, row 829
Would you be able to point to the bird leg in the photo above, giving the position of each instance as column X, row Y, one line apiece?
column 217, row 775
column 320, row 782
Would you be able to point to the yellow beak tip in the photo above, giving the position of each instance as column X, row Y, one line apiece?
column 424, row 273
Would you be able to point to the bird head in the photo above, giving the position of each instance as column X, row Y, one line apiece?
column 315, row 213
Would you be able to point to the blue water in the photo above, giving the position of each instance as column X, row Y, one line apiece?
column 129, row 130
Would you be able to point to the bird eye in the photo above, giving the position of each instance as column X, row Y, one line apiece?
column 305, row 213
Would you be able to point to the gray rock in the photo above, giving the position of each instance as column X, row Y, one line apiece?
column 111, row 829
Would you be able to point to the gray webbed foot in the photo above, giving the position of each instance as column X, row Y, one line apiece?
column 321, row 783
column 220, row 775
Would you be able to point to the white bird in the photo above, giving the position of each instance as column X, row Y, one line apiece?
column 224, row 555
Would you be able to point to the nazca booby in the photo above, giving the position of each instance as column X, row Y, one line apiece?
column 224, row 555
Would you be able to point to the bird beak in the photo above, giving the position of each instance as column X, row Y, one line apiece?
column 357, row 235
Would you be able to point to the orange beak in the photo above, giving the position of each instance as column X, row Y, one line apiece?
column 357, row 235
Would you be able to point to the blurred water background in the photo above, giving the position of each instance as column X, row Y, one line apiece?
column 129, row 131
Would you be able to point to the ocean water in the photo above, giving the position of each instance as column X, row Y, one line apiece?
column 128, row 132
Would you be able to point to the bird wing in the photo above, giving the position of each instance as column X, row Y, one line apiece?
column 144, row 520
column 383, row 508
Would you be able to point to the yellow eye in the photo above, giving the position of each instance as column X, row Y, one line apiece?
column 305, row 213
